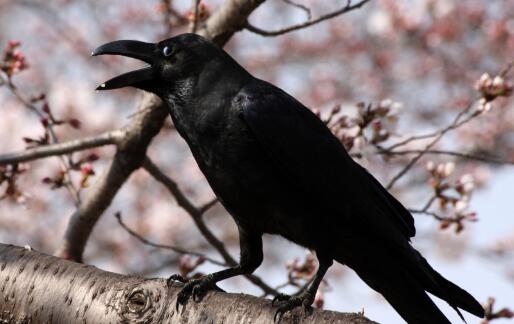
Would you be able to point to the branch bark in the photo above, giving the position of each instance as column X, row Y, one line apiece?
column 38, row 288
column 229, row 18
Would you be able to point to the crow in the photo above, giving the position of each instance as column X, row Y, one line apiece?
column 277, row 169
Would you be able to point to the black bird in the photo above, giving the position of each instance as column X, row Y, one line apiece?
column 278, row 169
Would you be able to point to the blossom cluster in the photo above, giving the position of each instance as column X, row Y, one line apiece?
column 8, row 176
column 452, row 195
column 84, row 165
column 491, row 314
column 14, row 60
column 492, row 88
column 373, row 124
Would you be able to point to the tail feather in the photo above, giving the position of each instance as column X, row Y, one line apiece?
column 405, row 294
column 404, row 280
column 450, row 292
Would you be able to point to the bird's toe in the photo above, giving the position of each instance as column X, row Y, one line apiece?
column 184, row 295
column 175, row 277
column 195, row 289
column 280, row 298
column 292, row 302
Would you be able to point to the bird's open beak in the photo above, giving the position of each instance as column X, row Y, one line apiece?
column 146, row 52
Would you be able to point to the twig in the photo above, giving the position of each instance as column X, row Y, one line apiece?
column 457, row 122
column 194, row 25
column 487, row 159
column 269, row 33
column 169, row 12
column 162, row 246
column 153, row 269
column 507, row 69
column 65, row 164
column 429, row 213
column 14, row 91
column 196, row 215
column 208, row 205
column 429, row 203
column 300, row 6
column 453, row 125
column 44, row 151
column 172, row 186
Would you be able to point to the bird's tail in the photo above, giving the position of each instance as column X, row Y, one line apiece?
column 404, row 293
column 404, row 281
column 439, row 286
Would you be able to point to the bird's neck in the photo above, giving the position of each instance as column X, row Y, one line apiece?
column 179, row 95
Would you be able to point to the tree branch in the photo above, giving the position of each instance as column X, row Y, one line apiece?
column 194, row 25
column 487, row 159
column 300, row 6
column 431, row 213
column 457, row 122
column 130, row 154
column 230, row 17
column 44, row 151
column 66, row 164
column 270, row 33
column 37, row 288
column 176, row 249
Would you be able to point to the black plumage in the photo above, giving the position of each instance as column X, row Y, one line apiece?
column 278, row 169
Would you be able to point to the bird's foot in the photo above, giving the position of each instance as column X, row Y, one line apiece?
column 280, row 298
column 288, row 303
column 175, row 277
column 195, row 288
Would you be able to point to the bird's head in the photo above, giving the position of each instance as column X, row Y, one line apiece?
column 170, row 61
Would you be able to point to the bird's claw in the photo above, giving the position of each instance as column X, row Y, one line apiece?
column 292, row 302
column 175, row 277
column 280, row 298
column 195, row 288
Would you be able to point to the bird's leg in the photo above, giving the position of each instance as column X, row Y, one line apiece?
column 251, row 258
column 282, row 297
column 305, row 297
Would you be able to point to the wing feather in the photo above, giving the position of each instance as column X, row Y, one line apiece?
column 314, row 160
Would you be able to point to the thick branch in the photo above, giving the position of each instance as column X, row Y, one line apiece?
column 44, row 151
column 37, row 288
column 269, row 33
column 130, row 154
column 229, row 18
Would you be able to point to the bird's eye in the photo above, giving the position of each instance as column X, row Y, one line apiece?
column 167, row 51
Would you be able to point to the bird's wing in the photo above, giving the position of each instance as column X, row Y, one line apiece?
column 306, row 152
